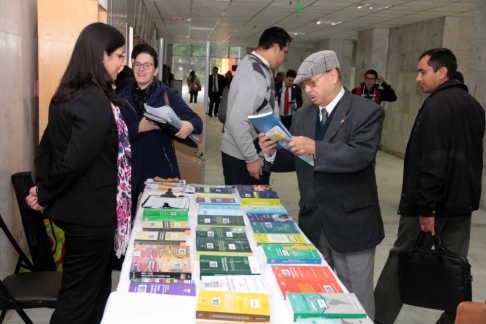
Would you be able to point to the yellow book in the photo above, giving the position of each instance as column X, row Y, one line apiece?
column 231, row 306
column 279, row 238
column 260, row 202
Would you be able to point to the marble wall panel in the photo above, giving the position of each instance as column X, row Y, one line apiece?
column 18, row 110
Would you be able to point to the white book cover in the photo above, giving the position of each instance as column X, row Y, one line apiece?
column 242, row 284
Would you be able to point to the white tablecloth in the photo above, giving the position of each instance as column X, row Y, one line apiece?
column 125, row 307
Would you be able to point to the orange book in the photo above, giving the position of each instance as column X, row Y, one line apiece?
column 306, row 279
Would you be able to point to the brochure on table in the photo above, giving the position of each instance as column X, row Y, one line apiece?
column 122, row 304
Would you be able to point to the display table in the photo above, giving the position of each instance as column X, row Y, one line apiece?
column 125, row 307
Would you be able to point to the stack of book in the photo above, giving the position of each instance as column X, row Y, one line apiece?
column 232, row 288
column 221, row 228
column 273, row 225
column 161, row 262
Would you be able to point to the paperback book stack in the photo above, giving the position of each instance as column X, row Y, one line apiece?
column 271, row 224
column 220, row 227
column 231, row 288
column 161, row 262
column 174, row 186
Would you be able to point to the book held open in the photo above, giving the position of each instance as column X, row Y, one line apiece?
column 273, row 128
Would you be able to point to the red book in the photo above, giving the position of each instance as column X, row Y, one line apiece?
column 306, row 279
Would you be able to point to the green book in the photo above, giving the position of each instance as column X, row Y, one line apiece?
column 314, row 305
column 215, row 265
column 226, row 233
column 222, row 247
column 169, row 214
column 218, row 221
column 274, row 227
column 291, row 254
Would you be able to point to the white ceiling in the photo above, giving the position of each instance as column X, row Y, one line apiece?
column 241, row 22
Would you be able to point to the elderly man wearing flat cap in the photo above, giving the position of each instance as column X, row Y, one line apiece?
column 339, row 209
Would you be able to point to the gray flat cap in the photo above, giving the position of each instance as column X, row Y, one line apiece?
column 317, row 63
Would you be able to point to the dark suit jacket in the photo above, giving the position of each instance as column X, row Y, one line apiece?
column 339, row 193
column 296, row 94
column 77, row 160
column 221, row 84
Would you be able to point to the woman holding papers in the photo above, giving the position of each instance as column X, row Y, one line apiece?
column 153, row 149
column 83, row 173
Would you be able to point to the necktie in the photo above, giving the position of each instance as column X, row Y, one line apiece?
column 325, row 114
column 286, row 102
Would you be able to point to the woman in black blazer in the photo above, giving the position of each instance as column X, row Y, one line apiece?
column 78, row 167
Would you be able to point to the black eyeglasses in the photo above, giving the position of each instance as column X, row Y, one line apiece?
column 146, row 66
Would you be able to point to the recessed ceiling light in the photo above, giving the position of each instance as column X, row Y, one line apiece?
column 319, row 22
column 176, row 18
column 329, row 22
column 201, row 28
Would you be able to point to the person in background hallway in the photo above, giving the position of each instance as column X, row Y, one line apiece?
column 194, row 86
column 165, row 74
column 170, row 77
column 223, row 107
column 441, row 173
column 252, row 92
column 291, row 100
column 370, row 89
column 153, row 149
column 216, row 85
column 339, row 208
column 279, row 77
column 79, row 162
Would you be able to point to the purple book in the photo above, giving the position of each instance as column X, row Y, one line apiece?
column 181, row 289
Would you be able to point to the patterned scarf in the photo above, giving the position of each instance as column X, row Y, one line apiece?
column 142, row 96
column 123, row 188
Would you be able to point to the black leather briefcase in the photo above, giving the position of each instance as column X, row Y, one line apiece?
column 434, row 278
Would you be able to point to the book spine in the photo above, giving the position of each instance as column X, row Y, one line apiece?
column 165, row 212
column 162, row 275
column 236, row 317
column 294, row 261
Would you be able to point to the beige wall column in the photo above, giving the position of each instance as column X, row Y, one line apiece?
column 372, row 53
column 476, row 78
column 18, row 113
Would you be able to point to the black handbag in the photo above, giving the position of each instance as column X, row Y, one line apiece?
column 434, row 278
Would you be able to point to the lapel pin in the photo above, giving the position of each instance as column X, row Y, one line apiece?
column 342, row 121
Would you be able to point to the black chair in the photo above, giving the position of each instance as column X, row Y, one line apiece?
column 19, row 291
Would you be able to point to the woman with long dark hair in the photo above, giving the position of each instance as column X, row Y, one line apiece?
column 153, row 149
column 194, row 86
column 83, row 170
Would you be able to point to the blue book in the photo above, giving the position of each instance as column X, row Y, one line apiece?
column 249, row 209
column 218, row 209
column 274, row 228
column 258, row 194
column 269, row 124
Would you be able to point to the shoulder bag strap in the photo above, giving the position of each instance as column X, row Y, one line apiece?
column 166, row 98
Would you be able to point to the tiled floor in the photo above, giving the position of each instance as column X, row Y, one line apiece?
column 389, row 176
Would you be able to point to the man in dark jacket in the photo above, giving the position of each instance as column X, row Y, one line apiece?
column 370, row 89
column 442, row 173
column 216, row 86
